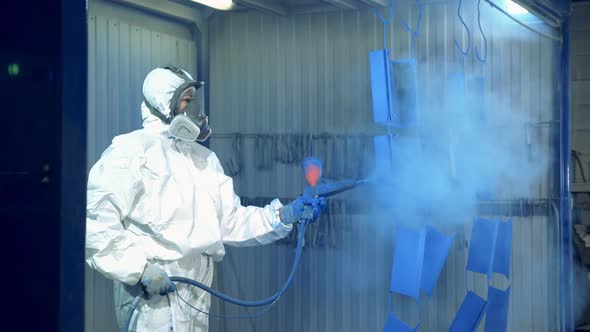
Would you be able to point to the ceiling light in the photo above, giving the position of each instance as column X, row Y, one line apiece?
column 217, row 4
column 514, row 8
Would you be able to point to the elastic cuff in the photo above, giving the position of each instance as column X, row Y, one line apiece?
column 275, row 206
column 279, row 228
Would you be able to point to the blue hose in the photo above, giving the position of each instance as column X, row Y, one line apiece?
column 131, row 311
column 271, row 300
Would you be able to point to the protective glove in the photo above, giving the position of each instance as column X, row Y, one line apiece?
column 154, row 281
column 291, row 213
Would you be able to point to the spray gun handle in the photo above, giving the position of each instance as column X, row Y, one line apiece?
column 307, row 213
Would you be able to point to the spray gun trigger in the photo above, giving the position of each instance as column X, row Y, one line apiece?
column 307, row 212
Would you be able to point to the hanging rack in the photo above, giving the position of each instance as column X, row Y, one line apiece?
column 465, row 53
column 416, row 32
column 485, row 40
column 385, row 21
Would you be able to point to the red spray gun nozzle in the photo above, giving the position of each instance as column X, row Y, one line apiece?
column 312, row 167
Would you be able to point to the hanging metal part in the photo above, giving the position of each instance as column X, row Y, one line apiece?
column 386, row 22
column 385, row 54
column 485, row 40
column 464, row 52
column 416, row 32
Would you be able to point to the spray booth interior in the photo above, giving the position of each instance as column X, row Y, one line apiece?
column 456, row 113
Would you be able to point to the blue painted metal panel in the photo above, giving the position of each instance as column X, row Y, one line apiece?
column 482, row 246
column 497, row 310
column 503, row 250
column 435, row 254
column 408, row 259
column 394, row 324
column 381, row 88
column 469, row 314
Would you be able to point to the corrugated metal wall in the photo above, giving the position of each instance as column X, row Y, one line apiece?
column 580, row 57
column 123, row 46
column 310, row 74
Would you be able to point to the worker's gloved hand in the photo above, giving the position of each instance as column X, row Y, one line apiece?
column 154, row 281
column 292, row 212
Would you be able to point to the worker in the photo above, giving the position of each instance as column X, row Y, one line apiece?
column 160, row 205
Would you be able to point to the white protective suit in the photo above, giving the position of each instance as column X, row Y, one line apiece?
column 154, row 199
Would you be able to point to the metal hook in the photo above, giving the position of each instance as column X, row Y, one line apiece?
column 383, row 19
column 416, row 32
column 466, row 52
column 485, row 41
column 385, row 22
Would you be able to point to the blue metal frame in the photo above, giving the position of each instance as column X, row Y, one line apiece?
column 73, row 165
column 565, row 217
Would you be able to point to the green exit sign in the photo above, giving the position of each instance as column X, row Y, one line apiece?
column 13, row 69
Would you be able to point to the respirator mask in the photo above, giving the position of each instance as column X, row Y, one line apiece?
column 190, row 123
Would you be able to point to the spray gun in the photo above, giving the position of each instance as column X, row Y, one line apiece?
column 312, row 167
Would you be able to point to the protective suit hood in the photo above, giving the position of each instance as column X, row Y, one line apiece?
column 159, row 87
column 162, row 92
